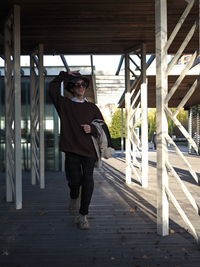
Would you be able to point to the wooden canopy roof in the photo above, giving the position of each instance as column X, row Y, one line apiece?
column 94, row 27
column 99, row 27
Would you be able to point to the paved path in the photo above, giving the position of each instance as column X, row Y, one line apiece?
column 123, row 220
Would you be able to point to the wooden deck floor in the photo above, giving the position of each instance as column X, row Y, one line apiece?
column 123, row 226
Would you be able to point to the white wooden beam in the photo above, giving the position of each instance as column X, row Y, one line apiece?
column 13, row 108
column 161, row 123
column 144, row 119
column 128, row 134
column 41, row 115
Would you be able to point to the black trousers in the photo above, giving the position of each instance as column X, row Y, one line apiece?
column 79, row 173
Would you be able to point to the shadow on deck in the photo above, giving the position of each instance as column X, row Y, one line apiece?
column 123, row 228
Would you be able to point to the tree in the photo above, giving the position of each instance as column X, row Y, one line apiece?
column 172, row 128
column 116, row 128
column 116, row 124
column 151, row 123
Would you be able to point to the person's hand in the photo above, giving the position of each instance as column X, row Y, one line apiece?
column 86, row 128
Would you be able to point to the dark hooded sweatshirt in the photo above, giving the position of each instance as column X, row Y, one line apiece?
column 72, row 116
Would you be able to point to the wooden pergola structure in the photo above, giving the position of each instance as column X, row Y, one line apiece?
column 125, row 27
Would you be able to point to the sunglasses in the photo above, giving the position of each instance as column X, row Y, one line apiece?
column 78, row 85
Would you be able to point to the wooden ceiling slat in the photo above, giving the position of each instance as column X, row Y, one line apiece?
column 114, row 25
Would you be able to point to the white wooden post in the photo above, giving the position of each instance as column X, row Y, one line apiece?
column 37, row 118
column 41, row 114
column 33, row 132
column 161, row 125
column 190, row 127
column 128, row 132
column 13, row 108
column 144, row 121
column 17, row 116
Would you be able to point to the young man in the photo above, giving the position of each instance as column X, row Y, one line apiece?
column 76, row 115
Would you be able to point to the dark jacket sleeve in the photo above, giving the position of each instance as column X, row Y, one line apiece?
column 54, row 90
column 94, row 131
column 107, row 132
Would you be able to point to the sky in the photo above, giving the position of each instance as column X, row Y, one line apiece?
column 105, row 63
column 101, row 62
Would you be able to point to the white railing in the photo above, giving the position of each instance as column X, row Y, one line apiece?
column 164, row 95
column 37, row 117
column 136, row 115
column 13, row 108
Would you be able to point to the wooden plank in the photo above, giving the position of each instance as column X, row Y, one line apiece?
column 123, row 224
column 127, row 22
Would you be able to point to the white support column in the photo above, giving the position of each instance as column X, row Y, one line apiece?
column 197, row 123
column 41, row 114
column 144, row 134
column 162, row 125
column 13, row 108
column 32, row 104
column 128, row 132
column 190, row 127
column 144, row 120
column 8, row 114
column 37, row 117
column 17, row 119
column 134, row 132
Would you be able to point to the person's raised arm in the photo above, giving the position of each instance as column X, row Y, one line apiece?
column 55, row 86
